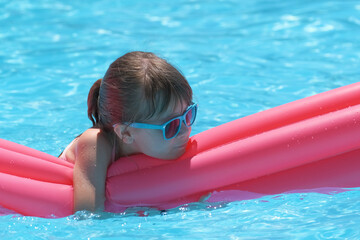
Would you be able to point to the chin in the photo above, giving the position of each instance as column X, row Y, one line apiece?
column 179, row 153
column 175, row 154
column 169, row 154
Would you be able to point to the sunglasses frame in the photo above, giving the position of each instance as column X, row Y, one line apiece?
column 162, row 127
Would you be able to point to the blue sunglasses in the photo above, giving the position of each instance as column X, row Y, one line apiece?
column 172, row 127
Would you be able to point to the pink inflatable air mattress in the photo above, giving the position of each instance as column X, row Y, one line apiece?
column 304, row 145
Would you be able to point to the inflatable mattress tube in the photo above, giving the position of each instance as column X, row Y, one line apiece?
column 309, row 144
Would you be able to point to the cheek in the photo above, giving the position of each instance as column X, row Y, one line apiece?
column 152, row 143
column 152, row 138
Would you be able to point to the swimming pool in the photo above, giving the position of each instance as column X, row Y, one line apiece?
column 240, row 57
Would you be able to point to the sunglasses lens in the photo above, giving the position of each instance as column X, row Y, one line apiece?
column 190, row 116
column 172, row 128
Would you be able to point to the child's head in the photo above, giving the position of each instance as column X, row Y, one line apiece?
column 141, row 87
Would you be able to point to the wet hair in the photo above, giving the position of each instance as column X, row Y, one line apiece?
column 136, row 87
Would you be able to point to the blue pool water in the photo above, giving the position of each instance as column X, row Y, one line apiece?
column 240, row 57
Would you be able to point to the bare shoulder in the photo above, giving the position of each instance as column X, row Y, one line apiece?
column 93, row 144
column 93, row 156
column 94, row 137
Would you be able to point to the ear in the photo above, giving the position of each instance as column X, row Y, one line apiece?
column 124, row 133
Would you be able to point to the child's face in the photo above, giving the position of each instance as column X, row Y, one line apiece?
column 151, row 141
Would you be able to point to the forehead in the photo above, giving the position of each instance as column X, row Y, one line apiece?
column 178, row 109
column 173, row 109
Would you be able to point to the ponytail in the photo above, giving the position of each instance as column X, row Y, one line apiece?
column 92, row 102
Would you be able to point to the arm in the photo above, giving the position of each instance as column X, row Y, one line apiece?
column 93, row 156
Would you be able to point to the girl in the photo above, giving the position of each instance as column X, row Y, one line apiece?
column 142, row 105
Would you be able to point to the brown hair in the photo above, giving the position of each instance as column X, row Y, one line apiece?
column 136, row 87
